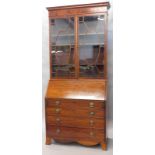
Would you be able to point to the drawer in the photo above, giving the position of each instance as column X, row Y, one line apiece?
column 75, row 112
column 59, row 111
column 91, row 104
column 90, row 113
column 67, row 104
column 70, row 104
column 76, row 122
column 69, row 132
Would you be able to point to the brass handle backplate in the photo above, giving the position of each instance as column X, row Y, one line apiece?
column 57, row 110
column 58, row 131
column 91, row 104
column 58, row 119
column 92, row 133
column 57, row 102
column 92, row 113
column 91, row 122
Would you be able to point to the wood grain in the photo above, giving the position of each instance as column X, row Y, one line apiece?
column 101, row 4
column 75, row 133
column 87, row 143
column 73, row 104
column 86, row 89
column 76, row 122
column 75, row 109
column 76, row 112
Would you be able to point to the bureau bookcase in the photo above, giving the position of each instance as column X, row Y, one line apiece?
column 75, row 101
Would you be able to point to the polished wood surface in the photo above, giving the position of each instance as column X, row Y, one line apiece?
column 73, row 12
column 104, row 145
column 76, row 11
column 87, row 143
column 84, row 124
column 101, row 4
column 75, row 133
column 48, row 140
column 76, row 112
column 75, row 104
column 75, row 109
column 76, row 122
column 86, row 89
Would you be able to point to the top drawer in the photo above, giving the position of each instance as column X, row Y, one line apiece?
column 69, row 104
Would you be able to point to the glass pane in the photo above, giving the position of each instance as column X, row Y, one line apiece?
column 91, row 46
column 62, row 48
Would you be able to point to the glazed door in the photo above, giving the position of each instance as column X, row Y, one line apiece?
column 62, row 51
column 91, row 46
column 77, row 47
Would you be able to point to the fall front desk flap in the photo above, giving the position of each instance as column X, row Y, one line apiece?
column 77, row 89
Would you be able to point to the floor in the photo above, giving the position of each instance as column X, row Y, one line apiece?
column 76, row 149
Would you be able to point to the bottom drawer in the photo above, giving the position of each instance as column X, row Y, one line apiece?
column 75, row 133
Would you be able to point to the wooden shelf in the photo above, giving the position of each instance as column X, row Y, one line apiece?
column 83, row 44
column 63, row 65
column 63, row 45
column 66, row 73
column 91, row 65
column 82, row 34
column 79, row 64
column 95, row 44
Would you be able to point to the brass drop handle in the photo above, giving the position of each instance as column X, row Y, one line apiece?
column 91, row 133
column 92, row 113
column 57, row 110
column 91, row 122
column 57, row 102
column 91, row 104
column 58, row 119
column 58, row 131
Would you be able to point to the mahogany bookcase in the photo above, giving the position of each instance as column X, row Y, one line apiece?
column 75, row 102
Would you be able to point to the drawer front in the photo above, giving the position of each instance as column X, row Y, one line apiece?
column 90, row 104
column 76, row 122
column 60, row 112
column 69, row 104
column 90, row 113
column 68, row 132
column 75, row 112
